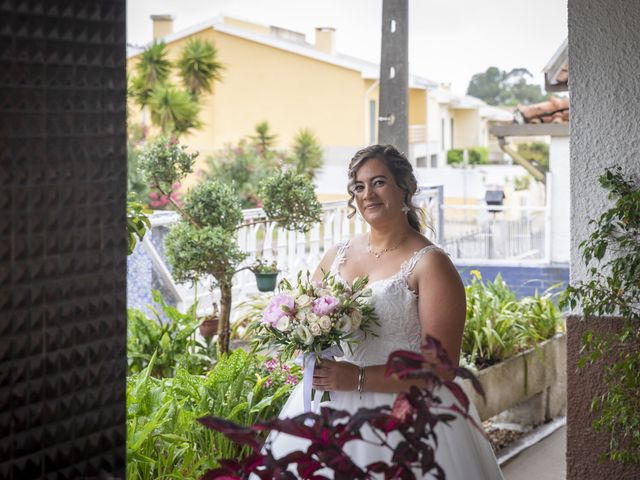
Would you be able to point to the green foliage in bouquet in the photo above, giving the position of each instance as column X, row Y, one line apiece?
column 204, row 243
column 614, row 289
column 163, row 438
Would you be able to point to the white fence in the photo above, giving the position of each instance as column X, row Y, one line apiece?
column 483, row 234
column 292, row 250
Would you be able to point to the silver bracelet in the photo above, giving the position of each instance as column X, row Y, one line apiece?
column 360, row 380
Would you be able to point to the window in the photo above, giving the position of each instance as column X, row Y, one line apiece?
column 434, row 160
column 421, row 162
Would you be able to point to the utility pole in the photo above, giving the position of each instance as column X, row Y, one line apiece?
column 393, row 122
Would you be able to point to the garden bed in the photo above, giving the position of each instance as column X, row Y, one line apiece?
column 537, row 375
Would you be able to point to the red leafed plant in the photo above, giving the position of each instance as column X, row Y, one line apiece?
column 414, row 416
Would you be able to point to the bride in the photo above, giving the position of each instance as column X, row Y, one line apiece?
column 415, row 290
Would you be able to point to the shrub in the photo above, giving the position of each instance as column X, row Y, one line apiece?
column 537, row 152
column 612, row 288
column 413, row 421
column 170, row 336
column 499, row 325
column 203, row 244
column 164, row 439
column 455, row 157
column 476, row 156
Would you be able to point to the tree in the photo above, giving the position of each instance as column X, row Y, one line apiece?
column 204, row 242
column 536, row 152
column 498, row 87
column 174, row 110
column 152, row 69
column 263, row 139
column 199, row 67
column 254, row 158
column 306, row 153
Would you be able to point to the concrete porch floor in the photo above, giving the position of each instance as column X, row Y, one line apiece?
column 543, row 461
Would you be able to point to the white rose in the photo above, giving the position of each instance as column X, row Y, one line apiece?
column 301, row 315
column 303, row 301
column 311, row 318
column 322, row 292
column 325, row 323
column 345, row 325
column 283, row 323
column 304, row 334
column 356, row 319
column 315, row 329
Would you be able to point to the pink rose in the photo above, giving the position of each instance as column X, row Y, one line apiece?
column 275, row 310
column 325, row 305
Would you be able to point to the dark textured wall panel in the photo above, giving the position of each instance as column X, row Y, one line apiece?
column 62, row 239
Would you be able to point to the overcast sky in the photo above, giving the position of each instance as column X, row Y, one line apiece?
column 449, row 40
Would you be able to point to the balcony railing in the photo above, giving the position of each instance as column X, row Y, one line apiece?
column 417, row 134
column 478, row 233
column 292, row 250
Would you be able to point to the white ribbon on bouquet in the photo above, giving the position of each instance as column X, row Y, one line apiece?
column 308, row 362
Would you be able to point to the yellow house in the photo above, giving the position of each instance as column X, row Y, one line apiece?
column 274, row 74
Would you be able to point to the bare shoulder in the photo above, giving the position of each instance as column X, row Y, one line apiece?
column 329, row 257
column 435, row 266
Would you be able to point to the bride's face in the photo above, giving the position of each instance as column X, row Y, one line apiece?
column 377, row 195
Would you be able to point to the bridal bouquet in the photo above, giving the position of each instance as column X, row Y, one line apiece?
column 315, row 316
column 315, row 319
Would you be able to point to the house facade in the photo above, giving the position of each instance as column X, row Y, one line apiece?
column 273, row 74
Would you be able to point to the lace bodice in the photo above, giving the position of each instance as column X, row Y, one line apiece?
column 397, row 309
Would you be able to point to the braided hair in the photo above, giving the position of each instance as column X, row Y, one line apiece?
column 402, row 172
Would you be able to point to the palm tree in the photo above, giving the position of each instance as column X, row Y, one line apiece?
column 306, row 153
column 153, row 69
column 198, row 66
column 263, row 139
column 173, row 110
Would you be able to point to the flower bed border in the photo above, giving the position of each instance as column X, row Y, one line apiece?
column 540, row 370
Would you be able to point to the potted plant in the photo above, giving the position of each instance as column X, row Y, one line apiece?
column 266, row 275
column 209, row 326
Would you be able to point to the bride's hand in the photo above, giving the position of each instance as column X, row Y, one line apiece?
column 335, row 376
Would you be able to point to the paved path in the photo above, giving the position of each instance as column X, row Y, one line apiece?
column 543, row 461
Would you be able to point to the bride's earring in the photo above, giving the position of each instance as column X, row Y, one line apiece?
column 405, row 208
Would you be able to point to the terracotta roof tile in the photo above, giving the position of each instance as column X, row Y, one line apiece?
column 554, row 110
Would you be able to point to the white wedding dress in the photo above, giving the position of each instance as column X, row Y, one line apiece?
column 462, row 451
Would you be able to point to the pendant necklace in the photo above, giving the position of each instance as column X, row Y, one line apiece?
column 379, row 253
